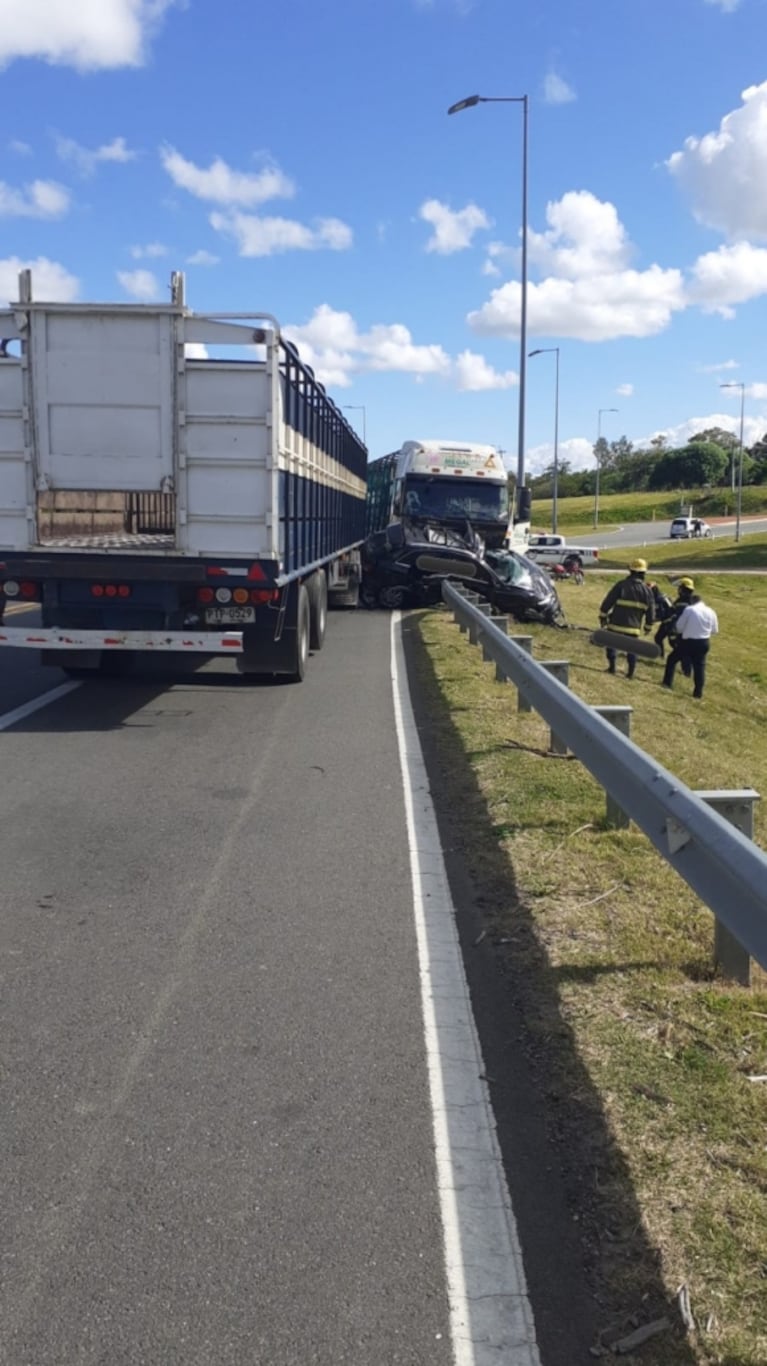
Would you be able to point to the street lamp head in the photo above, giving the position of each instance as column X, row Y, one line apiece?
column 468, row 103
column 733, row 384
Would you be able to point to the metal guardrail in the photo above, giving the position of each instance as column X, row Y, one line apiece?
column 726, row 870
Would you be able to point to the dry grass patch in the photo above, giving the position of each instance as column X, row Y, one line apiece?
column 624, row 948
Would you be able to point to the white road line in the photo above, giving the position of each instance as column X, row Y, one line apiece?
column 491, row 1320
column 28, row 708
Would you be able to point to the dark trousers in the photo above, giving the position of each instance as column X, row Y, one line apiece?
column 631, row 661
column 691, row 653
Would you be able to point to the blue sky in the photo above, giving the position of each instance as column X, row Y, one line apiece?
column 299, row 159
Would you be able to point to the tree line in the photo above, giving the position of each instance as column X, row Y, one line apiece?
column 710, row 458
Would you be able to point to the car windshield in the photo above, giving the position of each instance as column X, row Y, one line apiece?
column 442, row 498
column 510, row 567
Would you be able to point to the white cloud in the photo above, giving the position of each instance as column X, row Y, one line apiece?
column 730, row 275
column 86, row 159
column 753, row 427
column 50, row 281
column 269, row 236
column 725, row 173
column 140, row 284
column 473, row 373
column 556, row 90
column 39, row 199
column 585, row 237
column 89, row 35
column 578, row 451
column 590, row 293
column 22, row 149
column 152, row 251
column 453, row 229
column 625, row 390
column 628, row 303
column 726, row 6
column 337, row 350
column 719, row 366
column 202, row 258
column 220, row 184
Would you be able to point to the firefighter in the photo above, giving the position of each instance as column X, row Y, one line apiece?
column 628, row 609
column 667, row 630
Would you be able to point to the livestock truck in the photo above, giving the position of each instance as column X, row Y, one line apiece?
column 170, row 481
column 443, row 483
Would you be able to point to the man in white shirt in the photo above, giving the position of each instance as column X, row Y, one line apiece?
column 695, row 626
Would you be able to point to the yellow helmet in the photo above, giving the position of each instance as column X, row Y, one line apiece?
column 687, row 583
column 638, row 566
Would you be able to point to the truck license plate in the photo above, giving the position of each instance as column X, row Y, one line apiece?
column 229, row 616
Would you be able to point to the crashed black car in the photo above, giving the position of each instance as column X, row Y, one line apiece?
column 404, row 566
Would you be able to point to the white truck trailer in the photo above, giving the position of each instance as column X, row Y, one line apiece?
column 156, row 497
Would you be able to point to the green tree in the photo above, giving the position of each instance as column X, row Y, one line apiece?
column 689, row 466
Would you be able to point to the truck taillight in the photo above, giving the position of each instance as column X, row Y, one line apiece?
column 205, row 595
column 11, row 588
column 28, row 590
column 264, row 595
column 110, row 590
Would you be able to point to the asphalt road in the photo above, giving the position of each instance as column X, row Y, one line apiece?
column 650, row 533
column 217, row 1145
column 217, row 1142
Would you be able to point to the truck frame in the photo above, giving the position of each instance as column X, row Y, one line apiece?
column 155, row 497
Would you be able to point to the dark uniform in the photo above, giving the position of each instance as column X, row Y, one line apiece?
column 667, row 630
column 629, row 608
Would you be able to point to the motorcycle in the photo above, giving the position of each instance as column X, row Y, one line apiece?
column 570, row 568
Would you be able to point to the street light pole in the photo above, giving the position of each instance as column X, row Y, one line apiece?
column 738, row 384
column 542, row 351
column 598, row 452
column 469, row 103
column 359, row 408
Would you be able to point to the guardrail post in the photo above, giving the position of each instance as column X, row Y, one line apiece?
column 525, row 643
column 469, row 597
column 474, row 629
column 737, row 807
column 503, row 625
column 620, row 717
column 559, row 669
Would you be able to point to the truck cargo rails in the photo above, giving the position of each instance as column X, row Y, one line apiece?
column 170, row 481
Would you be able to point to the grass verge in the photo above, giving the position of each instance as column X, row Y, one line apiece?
column 667, row 1047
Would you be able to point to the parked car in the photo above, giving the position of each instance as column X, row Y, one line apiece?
column 404, row 567
column 683, row 528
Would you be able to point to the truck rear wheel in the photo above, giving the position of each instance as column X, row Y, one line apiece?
column 317, row 591
column 303, row 624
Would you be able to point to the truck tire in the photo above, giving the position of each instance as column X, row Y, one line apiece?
column 317, row 591
column 302, row 632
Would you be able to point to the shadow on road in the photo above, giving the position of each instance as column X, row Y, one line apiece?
column 104, row 703
column 579, row 1222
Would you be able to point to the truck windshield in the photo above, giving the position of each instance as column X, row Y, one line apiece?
column 444, row 498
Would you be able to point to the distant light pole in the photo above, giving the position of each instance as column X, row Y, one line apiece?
column 599, row 438
column 359, row 408
column 738, row 384
column 544, row 351
column 469, row 103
